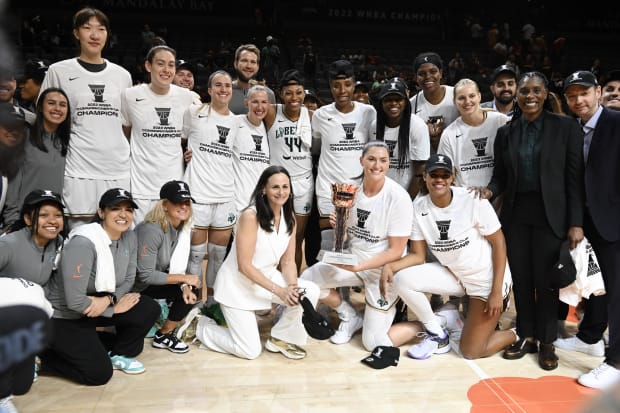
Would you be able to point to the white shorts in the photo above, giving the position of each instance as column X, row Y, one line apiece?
column 325, row 206
column 144, row 206
column 303, row 186
column 221, row 215
column 434, row 278
column 81, row 195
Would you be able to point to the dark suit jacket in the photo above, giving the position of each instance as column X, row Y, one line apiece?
column 602, row 176
column 561, row 171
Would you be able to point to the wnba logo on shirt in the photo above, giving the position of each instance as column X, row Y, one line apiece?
column 349, row 128
column 97, row 91
column 362, row 216
column 222, row 131
column 391, row 145
column 163, row 114
column 443, row 227
column 481, row 145
column 258, row 139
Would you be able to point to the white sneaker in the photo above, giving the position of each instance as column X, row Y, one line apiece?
column 603, row 377
column 347, row 329
column 7, row 406
column 451, row 320
column 576, row 344
column 430, row 344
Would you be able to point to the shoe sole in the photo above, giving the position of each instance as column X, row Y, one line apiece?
column 163, row 346
column 128, row 371
column 275, row 349
column 194, row 312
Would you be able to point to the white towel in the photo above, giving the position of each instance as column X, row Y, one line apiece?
column 589, row 279
column 305, row 130
column 180, row 255
column 105, row 278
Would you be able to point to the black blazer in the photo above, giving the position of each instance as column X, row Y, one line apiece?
column 561, row 171
column 602, row 176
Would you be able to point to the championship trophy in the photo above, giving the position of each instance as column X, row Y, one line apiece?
column 343, row 198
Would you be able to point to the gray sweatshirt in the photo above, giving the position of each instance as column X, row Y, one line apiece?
column 21, row 257
column 76, row 278
column 155, row 249
column 39, row 170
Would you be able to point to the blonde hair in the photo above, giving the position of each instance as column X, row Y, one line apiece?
column 159, row 215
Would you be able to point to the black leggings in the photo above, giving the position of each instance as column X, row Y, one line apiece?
column 78, row 353
column 171, row 292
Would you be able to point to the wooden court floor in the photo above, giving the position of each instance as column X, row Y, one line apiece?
column 330, row 379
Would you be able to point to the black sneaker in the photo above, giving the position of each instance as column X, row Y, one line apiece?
column 170, row 342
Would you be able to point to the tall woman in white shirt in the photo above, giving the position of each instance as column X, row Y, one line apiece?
column 99, row 156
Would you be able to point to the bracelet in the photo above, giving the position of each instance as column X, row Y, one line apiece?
column 183, row 286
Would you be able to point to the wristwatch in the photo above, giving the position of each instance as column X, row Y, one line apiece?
column 112, row 298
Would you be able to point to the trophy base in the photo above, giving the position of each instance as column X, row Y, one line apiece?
column 333, row 257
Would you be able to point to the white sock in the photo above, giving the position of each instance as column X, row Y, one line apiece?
column 514, row 331
column 434, row 327
column 196, row 257
column 453, row 319
column 216, row 258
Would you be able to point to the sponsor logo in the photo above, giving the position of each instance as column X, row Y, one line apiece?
column 140, row 99
column 71, row 79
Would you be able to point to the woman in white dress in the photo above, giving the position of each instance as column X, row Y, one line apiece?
column 260, row 270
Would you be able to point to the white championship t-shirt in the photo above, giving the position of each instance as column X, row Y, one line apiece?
column 456, row 234
column 210, row 137
column 343, row 136
column 471, row 148
column 419, row 148
column 156, row 130
column 250, row 159
column 98, row 148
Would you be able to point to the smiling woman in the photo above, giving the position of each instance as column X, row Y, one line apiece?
column 97, row 271
column 153, row 122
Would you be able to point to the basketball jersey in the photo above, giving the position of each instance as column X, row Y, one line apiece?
column 286, row 146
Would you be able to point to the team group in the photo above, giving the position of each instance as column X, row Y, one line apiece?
column 452, row 197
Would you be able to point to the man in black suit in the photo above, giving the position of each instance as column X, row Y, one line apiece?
column 602, row 215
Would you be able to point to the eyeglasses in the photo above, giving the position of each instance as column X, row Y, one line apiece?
column 440, row 176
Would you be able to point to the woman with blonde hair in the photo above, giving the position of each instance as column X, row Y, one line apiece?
column 163, row 252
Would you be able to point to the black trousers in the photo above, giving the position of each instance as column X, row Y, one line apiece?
column 172, row 293
column 24, row 332
column 608, row 256
column 78, row 353
column 533, row 249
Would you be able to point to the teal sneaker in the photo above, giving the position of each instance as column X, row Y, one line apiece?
column 127, row 364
